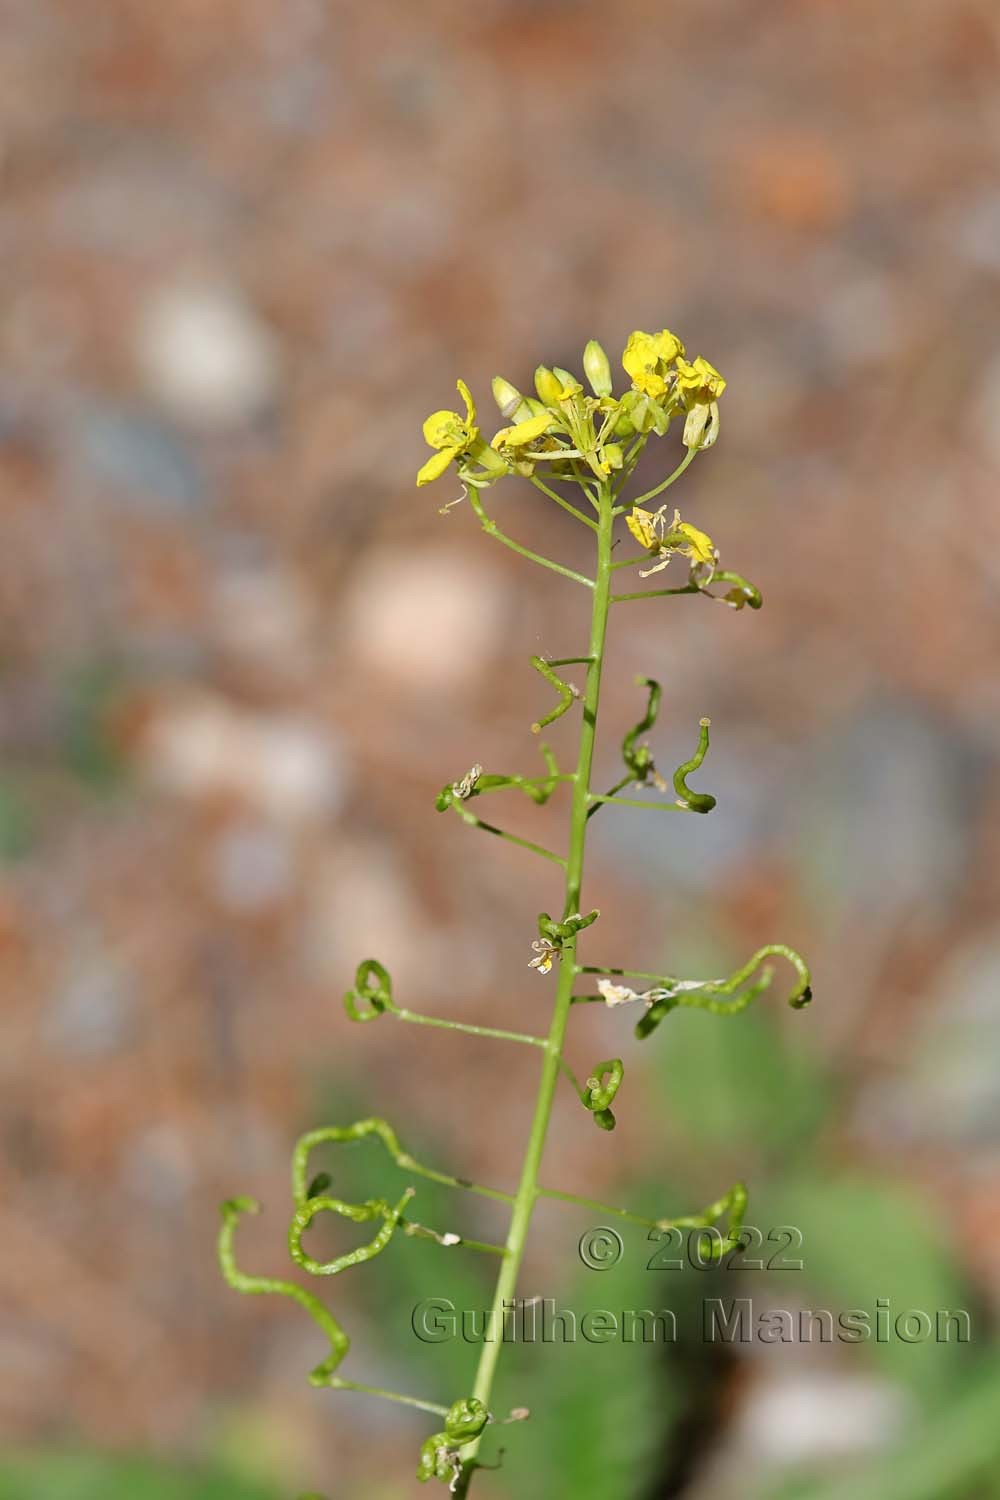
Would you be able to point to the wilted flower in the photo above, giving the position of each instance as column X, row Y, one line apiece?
column 651, row 530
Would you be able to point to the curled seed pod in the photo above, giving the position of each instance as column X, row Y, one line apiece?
column 734, row 993
column 558, row 932
column 232, row 1210
column 648, row 1023
column 438, row 1459
column 358, row 1213
column 568, row 694
column 371, row 994
column 466, row 1419
column 600, row 1089
column 701, row 802
column 742, row 593
column 637, row 758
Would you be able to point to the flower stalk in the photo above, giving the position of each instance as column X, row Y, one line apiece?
column 593, row 442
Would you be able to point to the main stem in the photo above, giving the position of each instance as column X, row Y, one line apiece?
column 528, row 1192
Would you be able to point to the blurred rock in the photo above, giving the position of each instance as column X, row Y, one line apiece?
column 252, row 867
column 805, row 1415
column 428, row 621
column 205, row 355
column 92, row 1013
column 945, row 1087
column 144, row 461
column 202, row 747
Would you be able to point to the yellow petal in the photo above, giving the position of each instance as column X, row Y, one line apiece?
column 470, row 405
column 650, row 384
column 436, row 465
column 522, row 432
column 701, row 548
column 442, row 429
column 700, row 379
column 640, row 523
column 667, row 345
column 640, row 353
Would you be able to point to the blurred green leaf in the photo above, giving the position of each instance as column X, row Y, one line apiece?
column 600, row 1412
column 88, row 695
column 92, row 1476
column 17, row 820
column 866, row 1238
column 738, row 1079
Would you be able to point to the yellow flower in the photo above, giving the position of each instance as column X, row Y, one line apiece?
column 645, row 358
column 700, row 548
column 700, row 381
column 450, row 434
column 652, row 531
column 642, row 524
column 522, row 432
column 545, row 951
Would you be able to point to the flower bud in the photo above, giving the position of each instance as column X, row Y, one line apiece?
column 548, row 385
column 612, row 455
column 570, row 385
column 597, row 369
column 507, row 397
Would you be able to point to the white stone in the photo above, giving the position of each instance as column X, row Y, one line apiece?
column 205, row 355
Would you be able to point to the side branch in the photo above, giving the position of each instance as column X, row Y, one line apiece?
column 742, row 592
column 492, row 529
column 370, row 996
column 733, row 1203
column 721, row 997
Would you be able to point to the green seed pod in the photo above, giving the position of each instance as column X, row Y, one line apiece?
column 433, row 1461
column 466, row 1419
column 597, row 368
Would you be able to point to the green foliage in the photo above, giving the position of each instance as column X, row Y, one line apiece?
column 92, row 1476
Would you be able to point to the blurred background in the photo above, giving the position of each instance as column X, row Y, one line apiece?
column 247, row 246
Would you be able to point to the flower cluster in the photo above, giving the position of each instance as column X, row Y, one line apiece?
column 567, row 430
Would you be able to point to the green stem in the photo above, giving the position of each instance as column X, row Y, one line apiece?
column 563, row 504
column 647, row 806
column 670, row 479
column 492, row 529
column 339, row 1384
column 528, row 1189
column 500, row 833
column 468, row 1028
